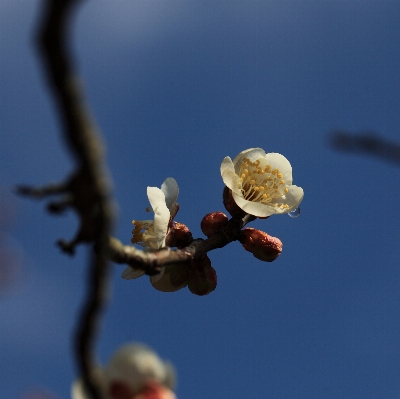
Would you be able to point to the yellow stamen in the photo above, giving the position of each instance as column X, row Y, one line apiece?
column 261, row 184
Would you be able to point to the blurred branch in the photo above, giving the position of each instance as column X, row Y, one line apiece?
column 366, row 142
column 87, row 191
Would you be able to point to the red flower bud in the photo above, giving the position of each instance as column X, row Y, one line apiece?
column 261, row 245
column 179, row 236
column 231, row 206
column 203, row 277
column 213, row 222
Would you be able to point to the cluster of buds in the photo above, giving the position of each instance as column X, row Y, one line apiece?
column 199, row 276
column 259, row 243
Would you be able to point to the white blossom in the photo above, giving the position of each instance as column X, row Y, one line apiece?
column 261, row 183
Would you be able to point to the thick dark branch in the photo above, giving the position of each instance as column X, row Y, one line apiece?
column 77, row 122
column 88, row 190
column 367, row 143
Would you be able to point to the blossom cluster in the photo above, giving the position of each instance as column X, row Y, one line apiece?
column 256, row 183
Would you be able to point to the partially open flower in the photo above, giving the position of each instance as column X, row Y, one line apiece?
column 261, row 183
column 260, row 244
column 151, row 234
column 134, row 372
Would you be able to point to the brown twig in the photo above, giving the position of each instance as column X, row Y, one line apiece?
column 151, row 262
column 88, row 189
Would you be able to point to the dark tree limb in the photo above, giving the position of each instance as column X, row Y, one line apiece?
column 88, row 190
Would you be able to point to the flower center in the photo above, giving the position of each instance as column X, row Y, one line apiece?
column 140, row 230
column 261, row 185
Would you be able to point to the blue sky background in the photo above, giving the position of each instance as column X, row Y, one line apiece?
column 176, row 86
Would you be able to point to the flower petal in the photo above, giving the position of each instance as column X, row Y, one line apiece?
column 79, row 392
column 252, row 153
column 229, row 175
column 157, row 277
column 161, row 214
column 254, row 208
column 278, row 161
column 293, row 197
column 135, row 365
column 171, row 190
column 164, row 284
column 130, row 273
